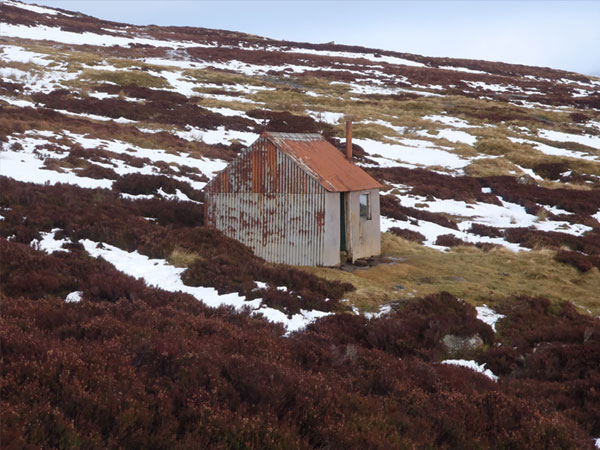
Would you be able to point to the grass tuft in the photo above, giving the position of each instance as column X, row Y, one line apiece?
column 125, row 78
column 181, row 257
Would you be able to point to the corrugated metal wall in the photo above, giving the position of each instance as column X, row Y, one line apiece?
column 266, row 201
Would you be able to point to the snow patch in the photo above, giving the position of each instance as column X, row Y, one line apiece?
column 451, row 135
column 383, row 310
column 25, row 165
column 488, row 315
column 19, row 54
column 554, row 151
column 218, row 136
column 95, row 116
column 261, row 285
column 206, row 166
column 558, row 136
column 17, row 102
column 452, row 121
column 488, row 87
column 369, row 56
column 529, row 172
column 43, row 32
column 462, row 69
column 233, row 65
column 332, row 118
column 36, row 9
column 159, row 273
column 179, row 196
column 473, row 365
column 74, row 297
column 48, row 243
column 415, row 152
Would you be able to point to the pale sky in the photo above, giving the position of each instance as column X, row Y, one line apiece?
column 558, row 34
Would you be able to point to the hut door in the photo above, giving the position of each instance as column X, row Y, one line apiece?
column 342, row 221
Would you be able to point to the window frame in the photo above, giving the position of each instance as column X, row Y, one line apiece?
column 368, row 215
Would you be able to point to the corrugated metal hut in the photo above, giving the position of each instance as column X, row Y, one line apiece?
column 295, row 199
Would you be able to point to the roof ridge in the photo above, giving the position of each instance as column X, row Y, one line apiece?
column 294, row 136
column 321, row 160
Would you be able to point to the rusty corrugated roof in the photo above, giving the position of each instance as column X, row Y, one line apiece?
column 322, row 161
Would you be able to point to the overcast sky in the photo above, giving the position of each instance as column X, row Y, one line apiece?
column 558, row 34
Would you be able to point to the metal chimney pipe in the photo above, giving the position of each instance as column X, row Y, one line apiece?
column 349, row 140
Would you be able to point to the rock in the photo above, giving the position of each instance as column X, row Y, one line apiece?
column 361, row 263
column 398, row 304
column 458, row 344
column 526, row 179
column 399, row 287
column 453, row 278
column 395, row 258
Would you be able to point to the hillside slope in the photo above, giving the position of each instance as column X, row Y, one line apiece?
column 491, row 177
column 461, row 146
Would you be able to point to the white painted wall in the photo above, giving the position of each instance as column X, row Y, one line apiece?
column 363, row 235
column 331, row 252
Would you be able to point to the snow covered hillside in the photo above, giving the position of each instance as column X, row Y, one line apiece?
column 470, row 152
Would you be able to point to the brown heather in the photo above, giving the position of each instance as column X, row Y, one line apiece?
column 137, row 367
column 132, row 366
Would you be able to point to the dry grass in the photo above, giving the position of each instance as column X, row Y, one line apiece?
column 408, row 113
column 496, row 146
column 467, row 273
column 373, row 131
column 74, row 60
column 30, row 68
column 542, row 215
column 464, row 150
column 285, row 100
column 524, row 155
column 321, row 86
column 181, row 257
column 124, row 78
column 224, row 78
column 209, row 102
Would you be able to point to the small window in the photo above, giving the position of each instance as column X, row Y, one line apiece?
column 365, row 206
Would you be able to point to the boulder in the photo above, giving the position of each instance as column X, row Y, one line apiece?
column 459, row 344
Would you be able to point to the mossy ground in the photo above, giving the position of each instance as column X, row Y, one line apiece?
column 468, row 273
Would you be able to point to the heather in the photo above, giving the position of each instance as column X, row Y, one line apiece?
column 156, row 228
column 163, row 371
column 490, row 215
column 152, row 109
column 134, row 366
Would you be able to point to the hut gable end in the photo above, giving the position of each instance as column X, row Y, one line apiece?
column 264, row 169
column 323, row 161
